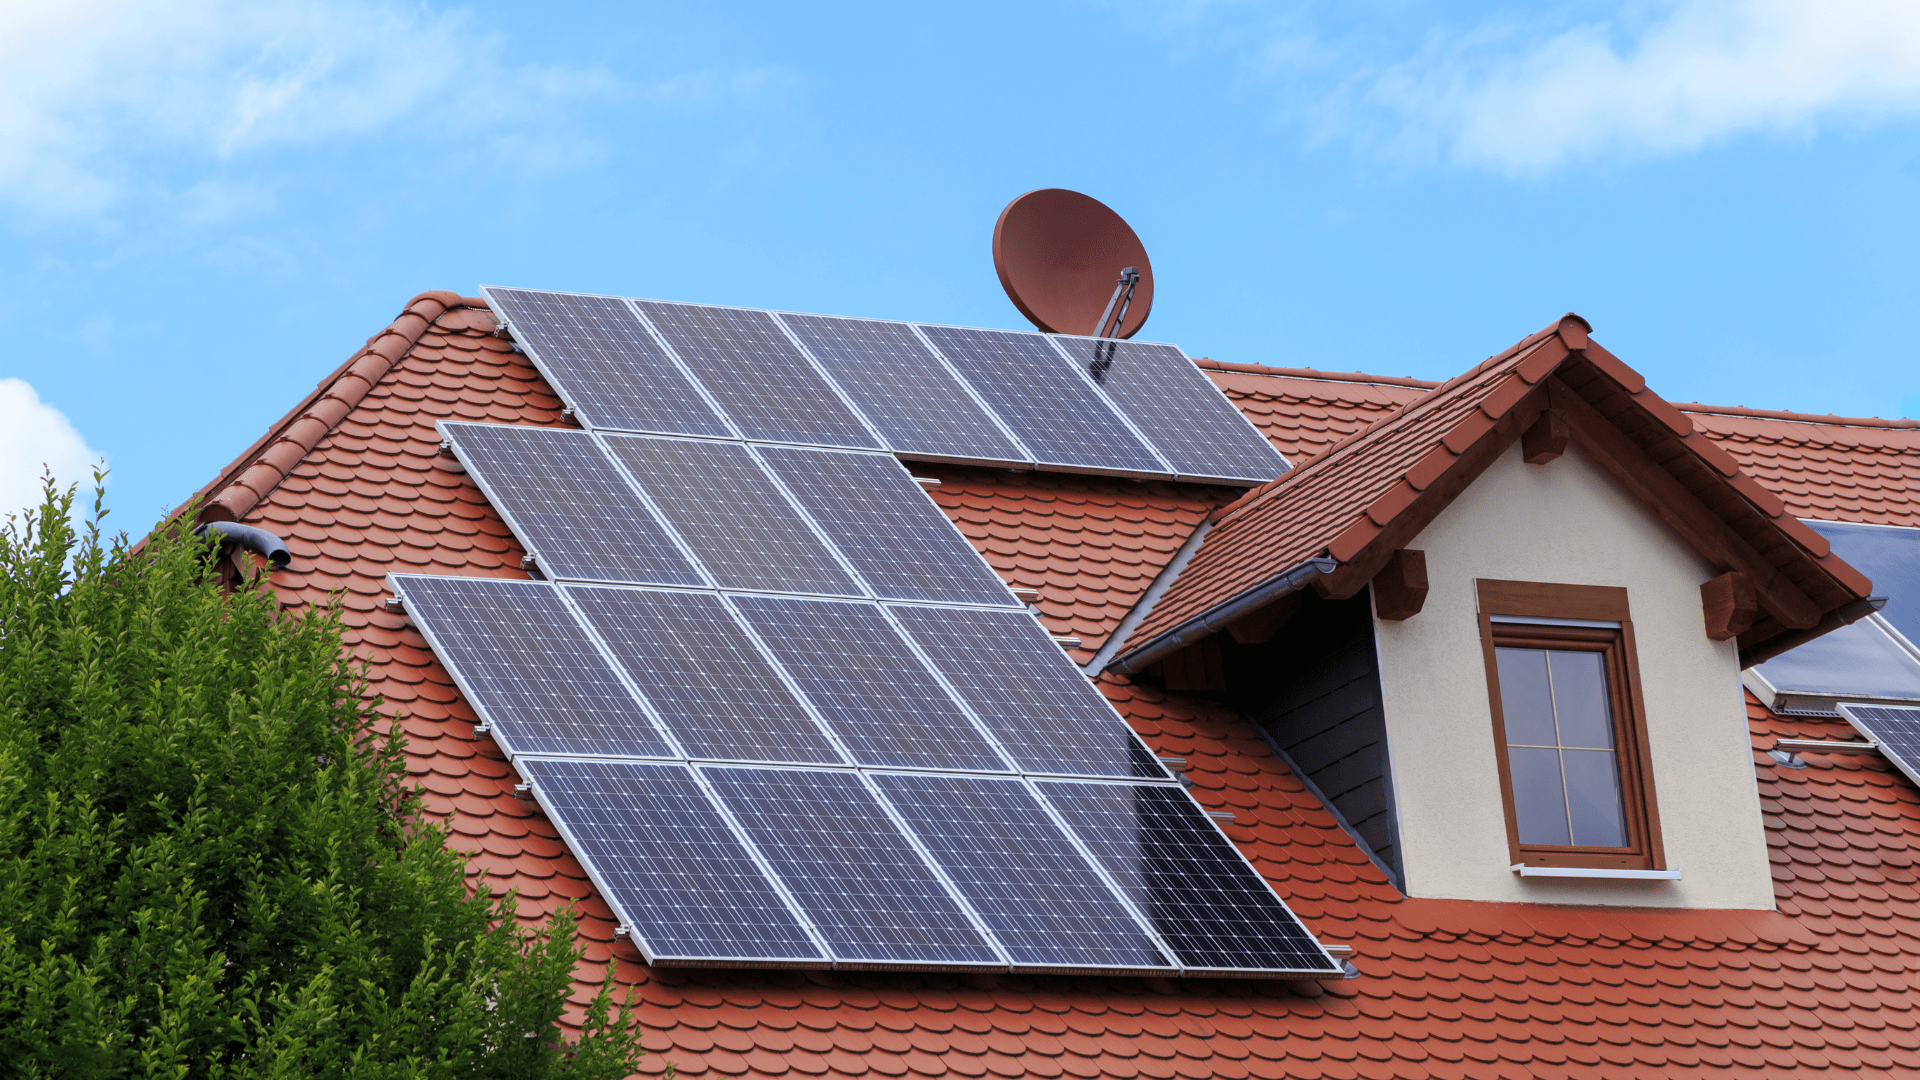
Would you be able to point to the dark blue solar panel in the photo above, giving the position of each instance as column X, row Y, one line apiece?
column 901, row 386
column 1020, row 873
column 867, row 892
column 1890, row 555
column 569, row 505
column 733, row 516
column 1186, row 878
column 1896, row 728
column 762, row 381
column 1058, row 415
column 527, row 667
column 898, row 540
column 704, row 676
column 875, row 694
column 1178, row 409
column 605, row 363
column 669, row 863
column 1036, row 703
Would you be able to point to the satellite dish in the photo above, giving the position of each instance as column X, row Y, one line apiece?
column 1064, row 259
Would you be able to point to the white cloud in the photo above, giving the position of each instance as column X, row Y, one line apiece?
column 1696, row 72
column 93, row 90
column 35, row 437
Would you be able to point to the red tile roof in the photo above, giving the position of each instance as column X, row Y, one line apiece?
column 1361, row 498
column 1448, row 988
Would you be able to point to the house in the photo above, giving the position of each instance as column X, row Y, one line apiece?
column 1467, row 678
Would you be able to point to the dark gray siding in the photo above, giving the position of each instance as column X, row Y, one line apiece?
column 1314, row 691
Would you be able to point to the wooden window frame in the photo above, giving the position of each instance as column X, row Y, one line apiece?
column 1592, row 603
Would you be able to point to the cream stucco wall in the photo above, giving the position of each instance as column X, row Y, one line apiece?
column 1568, row 522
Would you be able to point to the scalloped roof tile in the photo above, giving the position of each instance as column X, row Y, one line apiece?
column 1825, row 986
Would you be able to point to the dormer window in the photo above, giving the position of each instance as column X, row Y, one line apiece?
column 1568, row 721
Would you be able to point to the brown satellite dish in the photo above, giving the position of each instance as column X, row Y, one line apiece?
column 1062, row 256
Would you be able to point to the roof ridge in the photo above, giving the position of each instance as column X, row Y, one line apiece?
column 1822, row 419
column 1315, row 375
column 1425, row 402
column 261, row 468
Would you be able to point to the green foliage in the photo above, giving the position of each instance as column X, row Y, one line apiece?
column 210, row 862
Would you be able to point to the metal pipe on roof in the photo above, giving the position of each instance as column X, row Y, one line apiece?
column 1217, row 619
column 1843, row 616
column 256, row 540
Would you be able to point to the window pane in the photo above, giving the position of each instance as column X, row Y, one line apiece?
column 1593, row 793
column 1539, row 802
column 1525, row 700
column 1580, row 700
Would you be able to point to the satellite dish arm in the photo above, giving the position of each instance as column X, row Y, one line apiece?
column 1123, row 299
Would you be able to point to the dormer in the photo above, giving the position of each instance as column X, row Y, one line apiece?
column 1501, row 632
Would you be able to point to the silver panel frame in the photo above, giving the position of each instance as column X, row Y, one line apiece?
column 1225, row 481
column 1846, row 709
column 624, row 919
column 1027, row 463
column 1334, row 969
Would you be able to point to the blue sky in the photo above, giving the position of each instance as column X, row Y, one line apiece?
column 207, row 206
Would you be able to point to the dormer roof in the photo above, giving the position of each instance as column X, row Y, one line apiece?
column 1338, row 518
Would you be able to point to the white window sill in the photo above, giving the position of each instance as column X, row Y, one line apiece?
column 1526, row 871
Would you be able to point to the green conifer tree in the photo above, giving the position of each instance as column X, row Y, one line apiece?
column 211, row 862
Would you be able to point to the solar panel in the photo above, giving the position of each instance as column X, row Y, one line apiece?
column 1046, row 906
column 1058, row 415
column 857, row 877
column 1193, row 425
column 569, row 505
column 1036, row 703
column 1859, row 660
column 527, row 667
column 666, row 860
column 862, row 677
column 704, row 676
column 903, row 388
column 1187, row 879
column 898, row 540
column 733, row 516
column 1890, row 555
column 763, row 382
column 604, row 362
column 1895, row 727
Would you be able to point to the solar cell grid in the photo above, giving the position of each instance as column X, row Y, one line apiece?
column 1186, row 878
column 704, row 676
column 1020, row 873
column 1018, row 682
column 669, row 863
column 605, row 363
column 874, row 693
column 569, row 505
column 858, row 878
column 762, row 381
column 733, row 516
column 528, row 668
column 899, row 541
column 1060, row 417
column 1895, row 727
column 1177, row 408
column 902, row 387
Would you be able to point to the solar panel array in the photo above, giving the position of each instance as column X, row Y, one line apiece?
column 919, row 391
column 778, row 706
